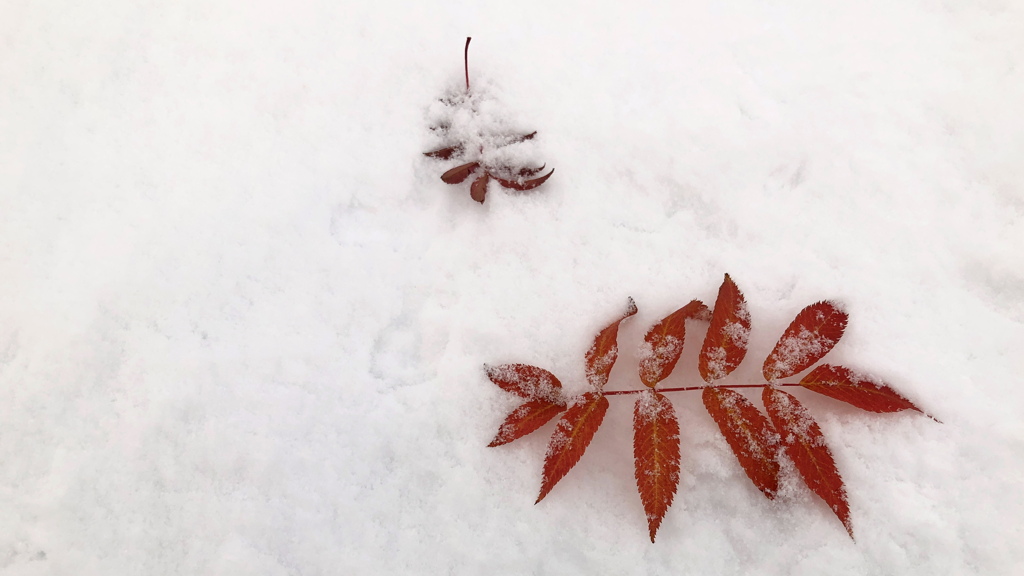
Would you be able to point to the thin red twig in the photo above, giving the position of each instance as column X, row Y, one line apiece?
column 691, row 388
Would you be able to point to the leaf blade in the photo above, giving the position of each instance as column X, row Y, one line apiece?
column 655, row 455
column 445, row 153
column 663, row 343
column 805, row 446
column 528, row 172
column 524, row 185
column 458, row 174
column 858, row 390
column 572, row 435
column 726, row 342
column 604, row 351
column 478, row 189
column 526, row 419
column 812, row 334
column 750, row 435
column 526, row 381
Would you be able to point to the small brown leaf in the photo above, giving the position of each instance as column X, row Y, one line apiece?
column 459, row 173
column 523, row 185
column 726, row 342
column 526, row 381
column 525, row 419
column 811, row 335
column 663, row 343
column 605, row 350
column 522, row 137
column 445, row 153
column 655, row 455
column 805, row 446
column 575, row 430
column 527, row 172
column 848, row 386
column 749, row 434
column 478, row 190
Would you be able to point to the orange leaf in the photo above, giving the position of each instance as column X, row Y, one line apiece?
column 813, row 332
column 656, row 455
column 848, row 386
column 445, row 153
column 605, row 350
column 478, row 190
column 726, row 342
column 805, row 446
column 523, row 185
column 663, row 343
column 526, row 381
column 459, row 173
column 572, row 435
column 525, row 419
column 752, row 438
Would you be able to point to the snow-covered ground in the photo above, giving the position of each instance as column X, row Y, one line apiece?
column 243, row 323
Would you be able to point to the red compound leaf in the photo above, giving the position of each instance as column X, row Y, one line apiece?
column 805, row 446
column 750, row 435
column 814, row 331
column 848, row 386
column 726, row 342
column 509, row 177
column 655, row 455
column 756, row 441
column 575, row 430
column 605, row 350
column 525, row 419
column 663, row 343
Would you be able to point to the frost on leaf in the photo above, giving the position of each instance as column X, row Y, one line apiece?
column 814, row 331
column 752, row 438
column 526, row 381
column 726, row 342
column 573, row 433
column 525, row 419
column 655, row 455
column 663, row 343
column 848, row 386
column 602, row 354
column 805, row 446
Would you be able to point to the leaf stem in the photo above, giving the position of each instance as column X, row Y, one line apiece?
column 691, row 388
column 465, row 59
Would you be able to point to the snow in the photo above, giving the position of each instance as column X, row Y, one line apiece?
column 243, row 323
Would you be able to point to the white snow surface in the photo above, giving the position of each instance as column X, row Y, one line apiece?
column 243, row 323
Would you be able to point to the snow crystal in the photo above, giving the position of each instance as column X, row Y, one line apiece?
column 796, row 349
column 738, row 332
